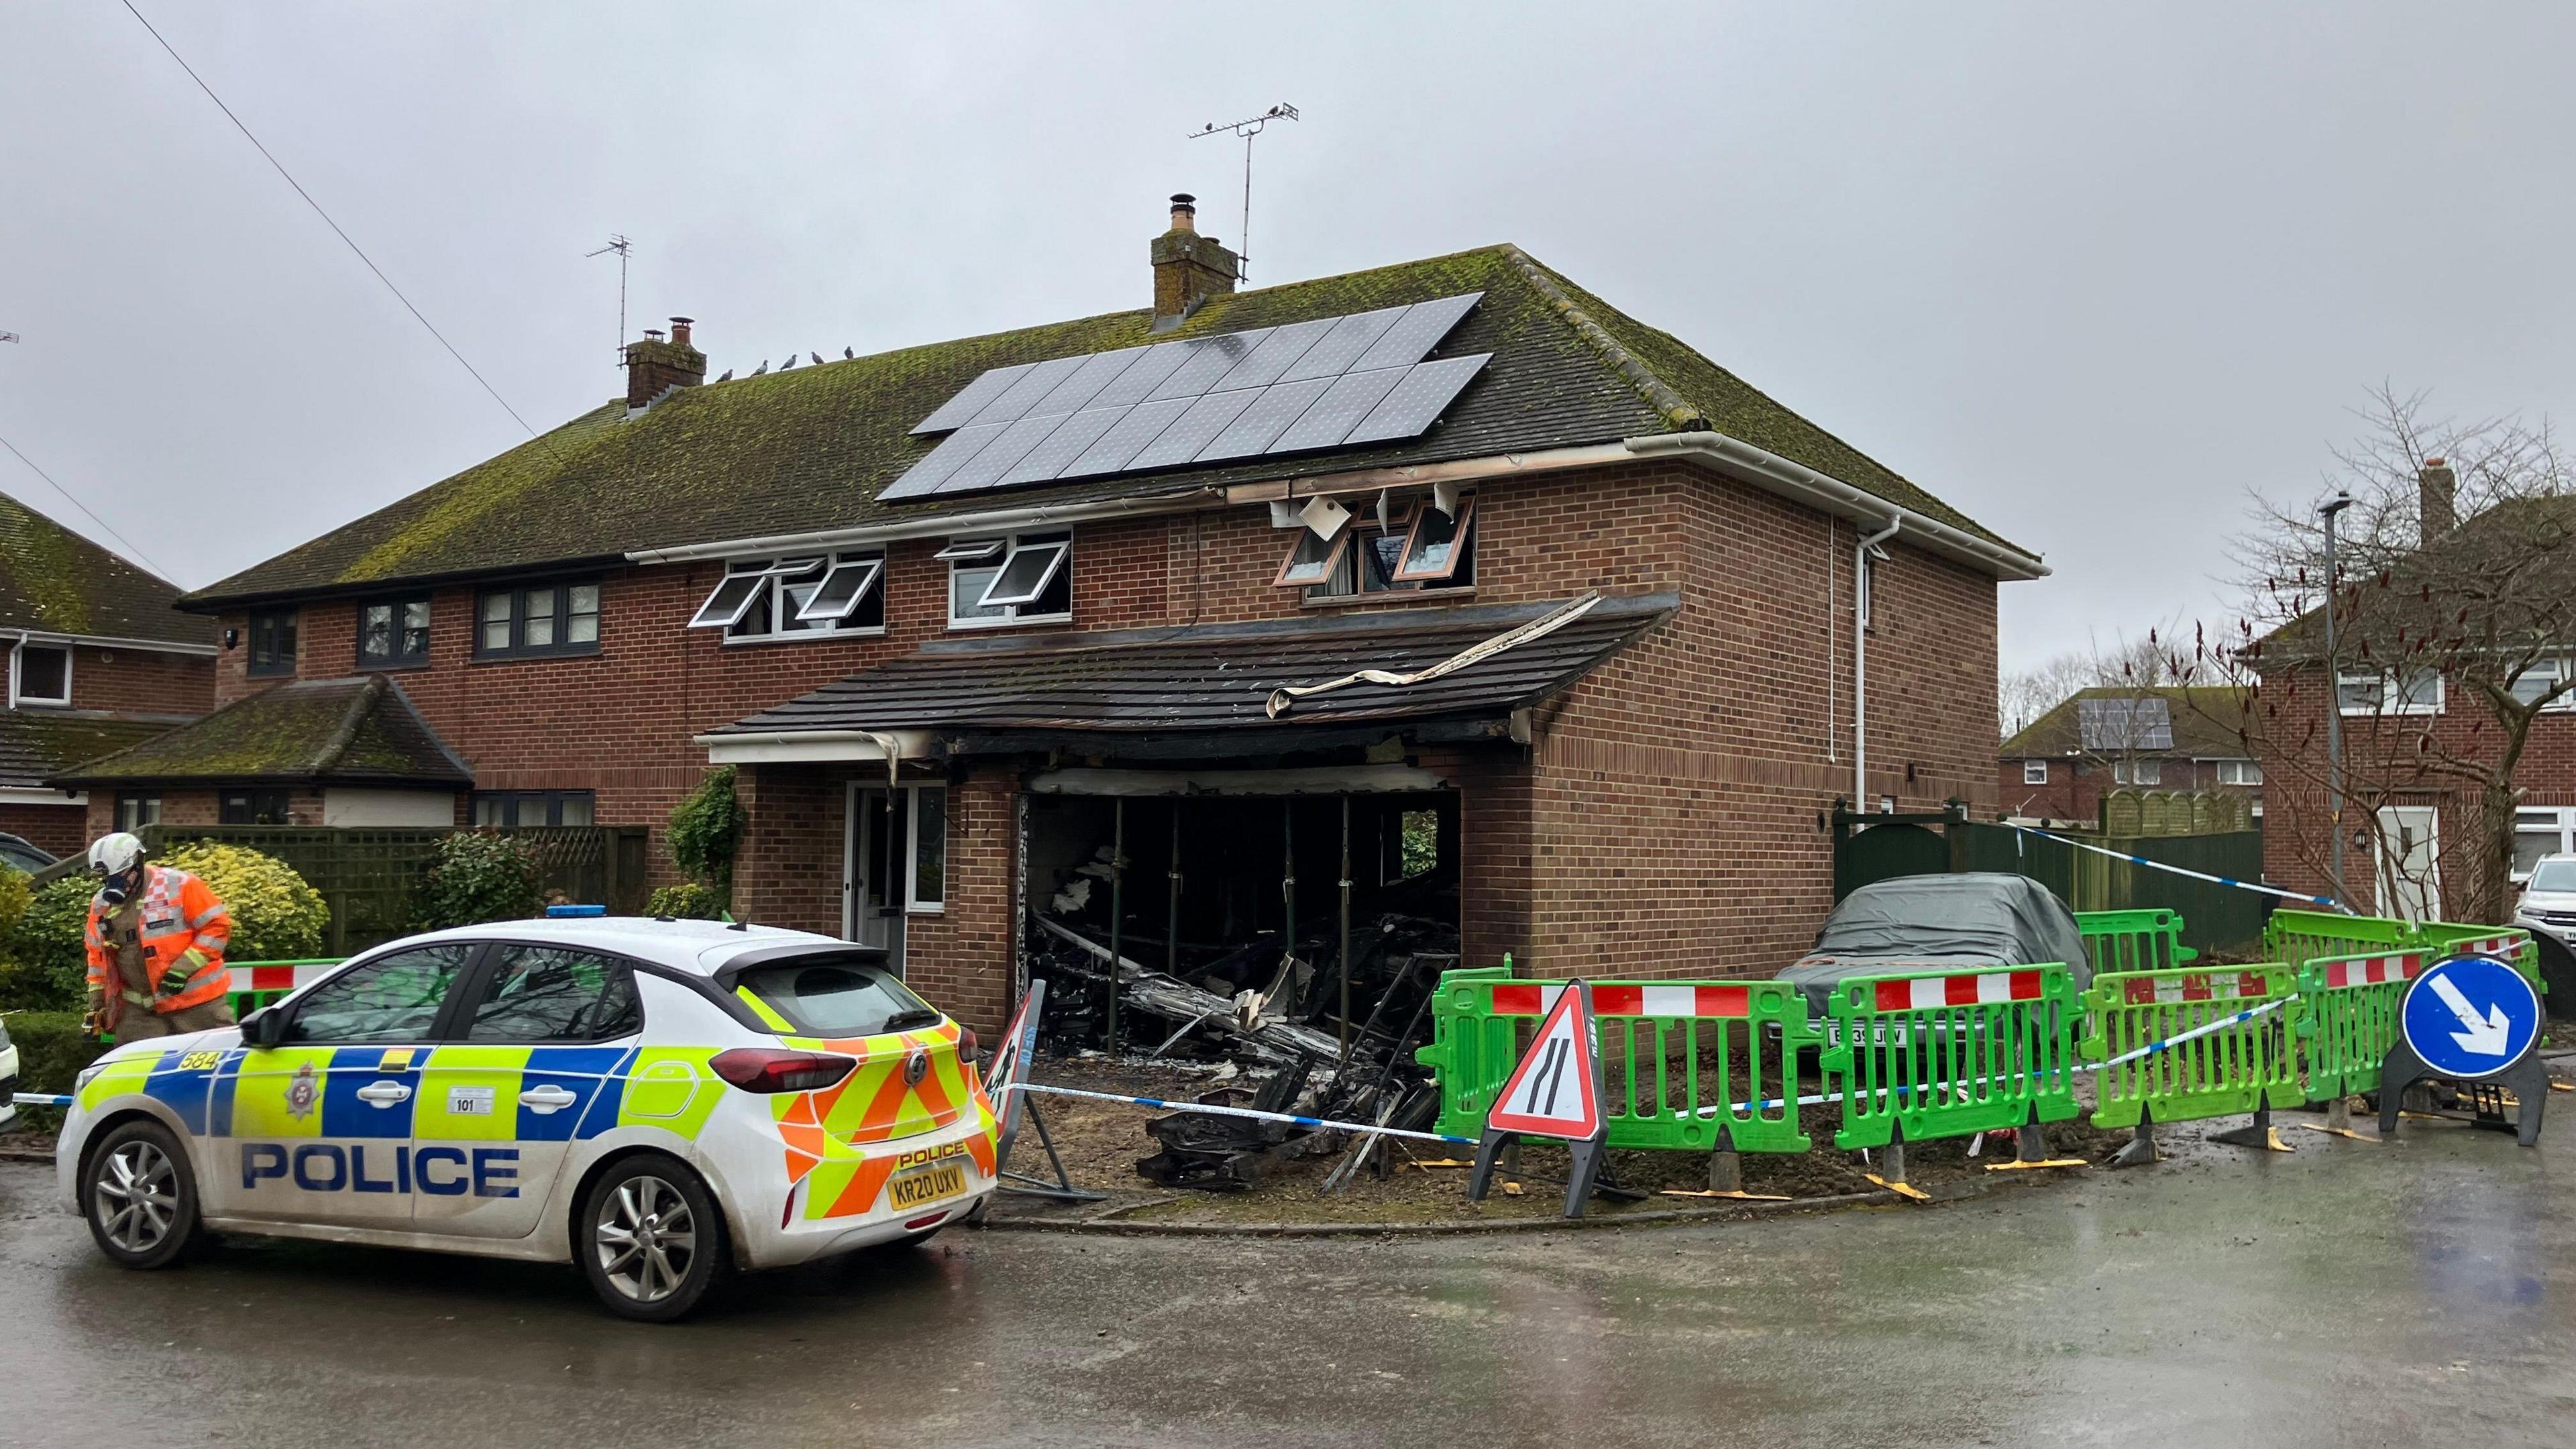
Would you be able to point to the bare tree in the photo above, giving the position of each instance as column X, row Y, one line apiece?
column 2455, row 612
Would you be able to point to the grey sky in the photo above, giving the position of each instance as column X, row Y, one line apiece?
column 2086, row 276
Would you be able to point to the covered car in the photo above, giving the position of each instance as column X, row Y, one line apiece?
column 1962, row 922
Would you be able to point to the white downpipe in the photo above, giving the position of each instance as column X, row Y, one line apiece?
column 1861, row 606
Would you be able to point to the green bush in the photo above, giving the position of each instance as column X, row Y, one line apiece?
column 51, row 1049
column 688, row 902
column 277, row 916
column 24, row 985
column 477, row 876
column 704, row 828
column 50, row 969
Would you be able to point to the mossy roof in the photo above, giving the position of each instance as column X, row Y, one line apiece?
column 54, row 581
column 811, row 448
column 38, row 744
column 312, row 731
column 2208, row 722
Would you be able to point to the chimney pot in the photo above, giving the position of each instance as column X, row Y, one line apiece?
column 654, row 365
column 1188, row 268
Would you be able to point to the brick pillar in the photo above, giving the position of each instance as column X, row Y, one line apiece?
column 960, row 959
column 787, row 867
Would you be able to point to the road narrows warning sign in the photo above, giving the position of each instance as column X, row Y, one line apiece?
column 1554, row 1092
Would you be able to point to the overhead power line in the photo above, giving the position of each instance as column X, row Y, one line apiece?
column 135, row 553
column 326, row 221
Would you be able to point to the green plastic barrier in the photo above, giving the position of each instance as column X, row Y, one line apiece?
column 2348, row 1018
column 2505, row 943
column 1684, row 1060
column 2146, row 940
column 1949, row 1053
column 2232, row 1070
column 2296, row 938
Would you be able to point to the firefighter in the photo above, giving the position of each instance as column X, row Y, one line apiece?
column 156, row 939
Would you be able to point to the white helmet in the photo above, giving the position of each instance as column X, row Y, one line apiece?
column 115, row 854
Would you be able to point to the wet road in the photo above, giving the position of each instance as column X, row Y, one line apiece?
column 2423, row 1293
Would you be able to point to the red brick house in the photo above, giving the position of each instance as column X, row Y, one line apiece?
column 965, row 616
column 99, row 659
column 2175, row 738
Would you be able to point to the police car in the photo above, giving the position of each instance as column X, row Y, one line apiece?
column 659, row 1102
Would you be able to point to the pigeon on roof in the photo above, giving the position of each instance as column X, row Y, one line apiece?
column 727, row 377
column 764, row 367
column 818, row 358
column 846, row 352
column 790, row 362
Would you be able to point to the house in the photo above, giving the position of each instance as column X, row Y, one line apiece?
column 1444, row 580
column 2448, row 631
column 2179, row 738
column 99, row 659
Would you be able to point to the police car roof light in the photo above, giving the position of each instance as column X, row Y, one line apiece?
column 560, row 912
column 770, row 1069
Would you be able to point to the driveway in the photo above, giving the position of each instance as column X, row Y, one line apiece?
column 2417, row 1293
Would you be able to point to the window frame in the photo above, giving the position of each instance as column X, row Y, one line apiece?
column 1462, row 542
column 2240, row 767
column 272, row 662
column 512, row 801
column 252, row 797
column 1334, row 548
column 2029, row 765
column 2146, row 772
column 133, row 819
column 2558, row 821
column 18, row 675
column 563, row 615
column 1012, row 546
column 914, row 904
column 397, row 631
column 2392, row 700
column 2556, row 670
column 773, row 597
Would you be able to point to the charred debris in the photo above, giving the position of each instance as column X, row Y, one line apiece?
column 1296, row 938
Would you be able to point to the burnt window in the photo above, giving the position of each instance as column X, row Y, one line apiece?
column 42, row 674
column 393, row 633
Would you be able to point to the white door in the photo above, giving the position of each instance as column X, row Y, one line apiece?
column 872, row 871
column 2410, row 866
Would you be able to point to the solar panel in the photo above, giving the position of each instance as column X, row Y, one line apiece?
column 1415, row 403
column 955, row 412
column 1321, row 383
column 2115, row 725
column 1207, row 417
column 1339, row 410
column 1272, row 410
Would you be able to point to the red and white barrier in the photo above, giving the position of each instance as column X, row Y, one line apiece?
column 1979, row 988
column 1537, row 998
column 278, row 975
column 2373, row 970
column 2199, row 986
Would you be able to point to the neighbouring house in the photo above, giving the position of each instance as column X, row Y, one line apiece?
column 99, row 659
column 2469, row 603
column 2175, row 738
column 1443, row 582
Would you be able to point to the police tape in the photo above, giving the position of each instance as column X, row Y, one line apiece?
column 40, row 1099
column 2209, row 1028
column 2243, row 885
column 1257, row 1116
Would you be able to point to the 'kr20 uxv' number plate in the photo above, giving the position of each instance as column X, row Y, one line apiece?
column 929, row 1185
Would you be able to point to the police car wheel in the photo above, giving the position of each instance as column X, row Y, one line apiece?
column 140, row 1198
column 652, row 1240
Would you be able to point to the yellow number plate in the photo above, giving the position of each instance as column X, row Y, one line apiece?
column 929, row 1185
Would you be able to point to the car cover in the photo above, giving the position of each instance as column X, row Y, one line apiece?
column 1968, row 920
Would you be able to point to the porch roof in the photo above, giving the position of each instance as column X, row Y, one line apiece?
column 1213, row 677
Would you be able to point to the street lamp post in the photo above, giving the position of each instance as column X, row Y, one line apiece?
column 2328, row 510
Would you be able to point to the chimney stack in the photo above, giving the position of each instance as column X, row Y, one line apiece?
column 2437, row 499
column 1188, row 268
column 654, row 366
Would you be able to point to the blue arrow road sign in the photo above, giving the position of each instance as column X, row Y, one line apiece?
column 2470, row 1017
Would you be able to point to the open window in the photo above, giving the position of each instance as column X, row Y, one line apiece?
column 843, row 598
column 745, row 584
column 1027, row 577
column 1437, row 544
column 1314, row 561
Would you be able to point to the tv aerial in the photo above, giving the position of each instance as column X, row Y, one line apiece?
column 1247, row 129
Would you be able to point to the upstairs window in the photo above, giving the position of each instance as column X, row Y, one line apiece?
column 2137, row 772
column 1436, row 548
column 1416, row 546
column 393, row 633
column 546, row 619
column 41, row 674
column 1025, row 578
column 2411, row 691
column 272, row 642
column 2034, row 772
column 2239, row 772
column 777, row 598
column 2542, row 677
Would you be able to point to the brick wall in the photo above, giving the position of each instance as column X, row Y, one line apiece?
column 142, row 681
column 60, row 829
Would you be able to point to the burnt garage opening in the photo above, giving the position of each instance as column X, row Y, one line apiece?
column 1253, row 916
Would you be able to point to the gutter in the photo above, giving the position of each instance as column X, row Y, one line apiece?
column 111, row 641
column 1796, row 481
column 797, row 747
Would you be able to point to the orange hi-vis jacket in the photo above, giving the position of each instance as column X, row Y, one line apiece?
column 182, row 926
